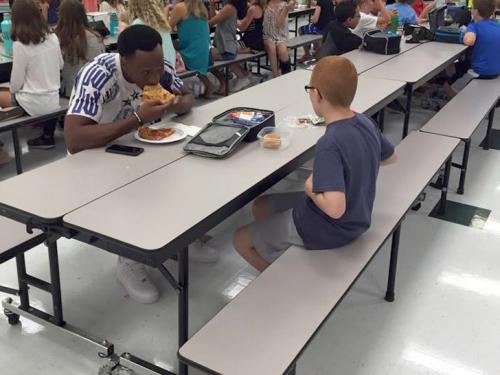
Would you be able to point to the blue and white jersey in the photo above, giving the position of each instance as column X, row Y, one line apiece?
column 102, row 94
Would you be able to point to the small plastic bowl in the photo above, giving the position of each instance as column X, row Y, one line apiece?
column 285, row 138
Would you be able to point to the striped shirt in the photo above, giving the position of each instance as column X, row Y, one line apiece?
column 102, row 94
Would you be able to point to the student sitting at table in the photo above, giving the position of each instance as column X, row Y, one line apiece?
column 336, row 205
column 407, row 14
column 36, row 65
column 115, row 6
column 148, row 12
column 368, row 21
column 323, row 15
column 338, row 37
column 106, row 104
column 483, row 35
column 79, row 44
column 252, row 26
column 225, row 42
column 276, row 35
column 190, row 18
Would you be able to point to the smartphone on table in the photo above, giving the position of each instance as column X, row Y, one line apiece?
column 124, row 150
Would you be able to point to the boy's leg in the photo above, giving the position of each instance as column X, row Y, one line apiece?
column 282, row 50
column 244, row 245
column 267, row 205
column 5, row 98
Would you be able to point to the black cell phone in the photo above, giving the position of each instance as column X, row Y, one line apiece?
column 124, row 150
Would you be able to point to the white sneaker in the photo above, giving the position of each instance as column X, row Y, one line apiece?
column 200, row 252
column 241, row 83
column 134, row 278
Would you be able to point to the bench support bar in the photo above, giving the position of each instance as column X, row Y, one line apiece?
column 444, row 188
column 491, row 118
column 17, row 151
column 391, row 282
column 409, row 96
column 463, row 167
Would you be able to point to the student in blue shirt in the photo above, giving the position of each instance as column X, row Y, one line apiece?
column 336, row 205
column 407, row 14
column 483, row 36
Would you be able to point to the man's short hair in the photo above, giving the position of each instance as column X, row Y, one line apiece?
column 336, row 80
column 485, row 8
column 345, row 10
column 138, row 38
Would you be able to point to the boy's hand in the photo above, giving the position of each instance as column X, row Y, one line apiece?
column 308, row 187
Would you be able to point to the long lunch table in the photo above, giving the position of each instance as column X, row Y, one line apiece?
column 111, row 221
column 416, row 67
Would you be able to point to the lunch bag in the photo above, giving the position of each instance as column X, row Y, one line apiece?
column 449, row 35
column 385, row 43
column 217, row 140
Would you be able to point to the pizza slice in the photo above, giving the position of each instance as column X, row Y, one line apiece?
column 157, row 92
column 155, row 134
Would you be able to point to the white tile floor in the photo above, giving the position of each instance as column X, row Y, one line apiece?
column 445, row 320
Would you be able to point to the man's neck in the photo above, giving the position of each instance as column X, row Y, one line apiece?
column 334, row 114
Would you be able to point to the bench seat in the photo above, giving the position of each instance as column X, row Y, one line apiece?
column 462, row 116
column 266, row 327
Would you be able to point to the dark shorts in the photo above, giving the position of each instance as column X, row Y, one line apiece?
column 462, row 67
column 311, row 29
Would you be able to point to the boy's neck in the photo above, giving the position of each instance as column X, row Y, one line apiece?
column 334, row 114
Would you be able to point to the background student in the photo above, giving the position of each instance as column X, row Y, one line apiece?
column 79, row 44
column 148, row 12
column 338, row 38
column 373, row 16
column 407, row 14
column 225, row 41
column 252, row 26
column 190, row 19
column 276, row 35
column 37, row 61
column 323, row 15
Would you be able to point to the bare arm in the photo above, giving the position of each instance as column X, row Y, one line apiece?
column 245, row 22
column 283, row 17
column 470, row 39
column 224, row 13
column 184, row 102
column 384, row 16
column 332, row 203
column 315, row 16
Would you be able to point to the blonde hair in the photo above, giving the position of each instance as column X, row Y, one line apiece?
column 149, row 12
column 197, row 9
column 336, row 79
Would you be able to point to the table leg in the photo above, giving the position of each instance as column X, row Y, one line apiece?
column 226, row 80
column 444, row 188
column 17, row 151
column 491, row 118
column 23, row 285
column 55, row 282
column 381, row 119
column 463, row 169
column 183, row 303
column 389, row 295
column 296, row 25
column 409, row 95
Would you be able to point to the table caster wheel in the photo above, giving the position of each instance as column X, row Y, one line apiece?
column 12, row 318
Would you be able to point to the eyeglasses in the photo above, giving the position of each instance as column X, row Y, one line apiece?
column 310, row 88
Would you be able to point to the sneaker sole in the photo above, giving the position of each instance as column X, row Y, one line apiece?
column 42, row 147
column 143, row 301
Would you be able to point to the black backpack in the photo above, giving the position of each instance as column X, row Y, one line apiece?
column 382, row 42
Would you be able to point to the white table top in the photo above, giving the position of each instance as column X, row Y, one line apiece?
column 57, row 188
column 229, row 345
column 364, row 60
column 462, row 115
column 189, row 190
column 418, row 63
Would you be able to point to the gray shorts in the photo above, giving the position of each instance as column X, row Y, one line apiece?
column 276, row 234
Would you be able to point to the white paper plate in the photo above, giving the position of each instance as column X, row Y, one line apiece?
column 177, row 136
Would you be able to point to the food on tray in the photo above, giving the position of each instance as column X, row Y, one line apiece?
column 272, row 140
column 155, row 134
column 304, row 121
column 157, row 92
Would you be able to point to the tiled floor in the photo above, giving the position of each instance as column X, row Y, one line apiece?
column 445, row 320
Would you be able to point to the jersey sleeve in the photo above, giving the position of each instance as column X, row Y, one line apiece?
column 169, row 80
column 87, row 99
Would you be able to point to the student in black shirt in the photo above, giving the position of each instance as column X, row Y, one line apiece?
column 323, row 14
column 338, row 38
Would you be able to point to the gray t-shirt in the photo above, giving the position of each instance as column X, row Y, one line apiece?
column 347, row 160
column 95, row 47
column 225, row 35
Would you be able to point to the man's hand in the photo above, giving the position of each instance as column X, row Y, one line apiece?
column 154, row 109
